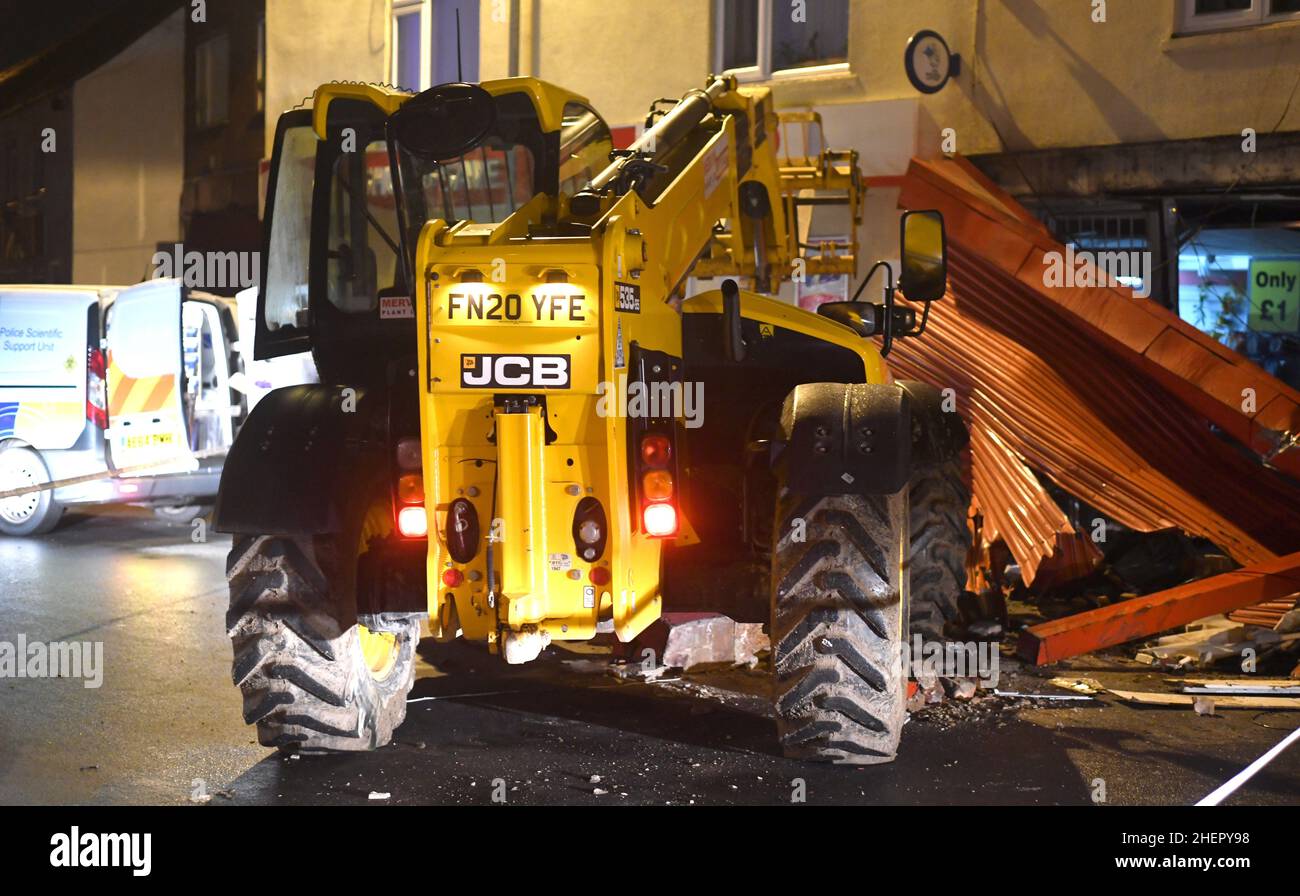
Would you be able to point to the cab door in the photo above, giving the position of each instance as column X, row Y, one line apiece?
column 146, row 381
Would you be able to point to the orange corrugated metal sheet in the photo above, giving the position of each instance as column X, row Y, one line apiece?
column 1268, row 614
column 1110, row 396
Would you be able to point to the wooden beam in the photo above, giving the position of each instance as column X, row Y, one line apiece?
column 1142, row 617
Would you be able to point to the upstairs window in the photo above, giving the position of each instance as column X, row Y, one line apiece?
column 425, row 51
column 1219, row 15
column 760, row 39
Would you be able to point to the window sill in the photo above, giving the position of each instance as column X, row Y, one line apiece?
column 825, row 84
column 753, row 75
column 1232, row 37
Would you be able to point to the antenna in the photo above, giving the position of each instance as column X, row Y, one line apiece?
column 460, row 74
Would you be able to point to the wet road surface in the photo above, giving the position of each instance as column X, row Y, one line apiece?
column 165, row 725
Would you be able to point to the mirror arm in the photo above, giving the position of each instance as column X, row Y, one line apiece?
column 889, row 273
column 925, row 318
column 888, row 342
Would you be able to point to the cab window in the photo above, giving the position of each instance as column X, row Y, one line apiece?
column 585, row 145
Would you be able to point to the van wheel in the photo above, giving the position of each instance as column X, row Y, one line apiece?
column 181, row 514
column 309, row 682
column 839, row 589
column 34, row 513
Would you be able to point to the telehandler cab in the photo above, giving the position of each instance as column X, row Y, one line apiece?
column 526, row 432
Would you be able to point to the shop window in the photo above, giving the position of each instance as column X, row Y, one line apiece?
column 1237, row 285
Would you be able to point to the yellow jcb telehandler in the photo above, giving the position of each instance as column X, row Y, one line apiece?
column 527, row 431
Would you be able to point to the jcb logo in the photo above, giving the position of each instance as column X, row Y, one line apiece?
column 514, row 371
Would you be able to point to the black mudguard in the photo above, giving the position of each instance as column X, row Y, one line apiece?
column 306, row 462
column 846, row 438
column 938, row 431
column 863, row 438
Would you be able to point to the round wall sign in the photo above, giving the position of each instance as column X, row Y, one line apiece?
column 929, row 62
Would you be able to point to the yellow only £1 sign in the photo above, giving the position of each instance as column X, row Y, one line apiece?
column 1275, row 295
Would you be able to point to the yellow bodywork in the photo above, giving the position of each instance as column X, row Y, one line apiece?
column 525, row 472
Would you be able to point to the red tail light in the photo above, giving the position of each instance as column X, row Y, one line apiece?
column 656, row 450
column 96, row 389
column 658, row 491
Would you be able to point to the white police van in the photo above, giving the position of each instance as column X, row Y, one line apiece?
column 128, row 390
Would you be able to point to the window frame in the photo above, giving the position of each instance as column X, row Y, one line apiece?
column 1187, row 20
column 763, row 70
column 423, row 9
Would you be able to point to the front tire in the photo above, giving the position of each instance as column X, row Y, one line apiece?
column 838, row 599
column 34, row 513
column 309, row 682
column 940, row 541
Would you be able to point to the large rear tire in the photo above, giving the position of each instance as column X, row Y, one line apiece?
column 838, row 599
column 309, row 682
column 940, row 540
column 34, row 513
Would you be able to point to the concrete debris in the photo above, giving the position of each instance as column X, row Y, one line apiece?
column 1204, row 706
column 964, row 688
column 687, row 640
column 377, row 795
column 751, row 641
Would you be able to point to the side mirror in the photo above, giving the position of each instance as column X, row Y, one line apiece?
column 444, row 122
column 924, row 276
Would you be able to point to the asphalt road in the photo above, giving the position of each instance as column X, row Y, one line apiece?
column 165, row 727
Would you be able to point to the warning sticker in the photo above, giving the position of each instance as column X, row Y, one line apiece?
column 588, row 597
column 559, row 562
column 715, row 165
column 391, row 307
